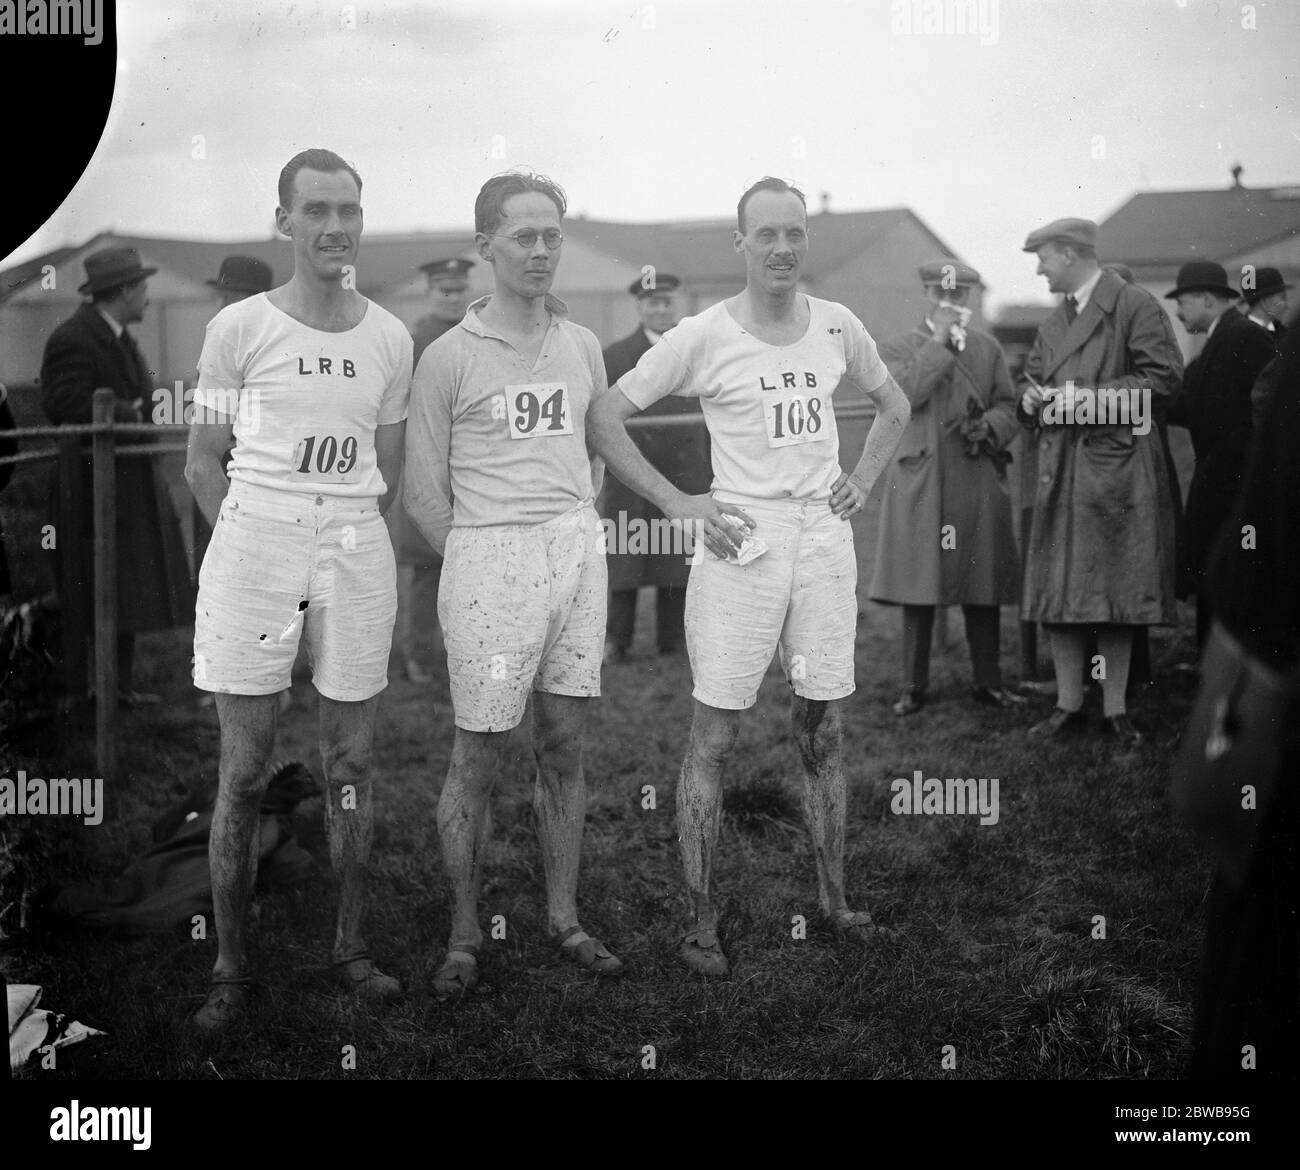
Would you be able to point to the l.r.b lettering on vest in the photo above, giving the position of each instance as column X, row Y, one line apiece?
column 789, row 381
column 326, row 365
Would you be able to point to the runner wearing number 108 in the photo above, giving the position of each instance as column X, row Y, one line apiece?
column 312, row 380
column 499, row 480
column 764, row 365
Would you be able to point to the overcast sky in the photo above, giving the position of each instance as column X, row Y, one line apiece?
column 667, row 110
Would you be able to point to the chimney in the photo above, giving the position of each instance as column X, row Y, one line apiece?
column 1236, row 175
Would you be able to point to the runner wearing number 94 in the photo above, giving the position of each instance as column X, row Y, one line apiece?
column 312, row 380
column 764, row 365
column 499, row 480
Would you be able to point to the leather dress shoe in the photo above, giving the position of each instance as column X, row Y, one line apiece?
column 996, row 697
column 1121, row 727
column 1060, row 723
column 909, row 703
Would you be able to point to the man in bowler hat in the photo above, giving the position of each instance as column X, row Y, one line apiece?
column 241, row 277
column 1266, row 299
column 1214, row 406
column 92, row 349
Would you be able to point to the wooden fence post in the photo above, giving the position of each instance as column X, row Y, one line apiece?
column 105, row 586
column 74, row 566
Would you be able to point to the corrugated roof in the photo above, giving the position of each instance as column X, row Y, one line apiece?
column 1170, row 227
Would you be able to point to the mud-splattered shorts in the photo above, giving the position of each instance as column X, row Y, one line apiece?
column 800, row 596
column 285, row 565
column 522, row 608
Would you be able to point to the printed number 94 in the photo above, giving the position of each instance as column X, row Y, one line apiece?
column 531, row 411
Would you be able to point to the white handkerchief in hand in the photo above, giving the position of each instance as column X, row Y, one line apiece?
column 751, row 549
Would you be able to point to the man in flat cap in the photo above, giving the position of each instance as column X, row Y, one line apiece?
column 1101, row 547
column 94, row 348
column 419, row 567
column 681, row 453
column 1265, row 297
column 945, row 521
column 1215, row 408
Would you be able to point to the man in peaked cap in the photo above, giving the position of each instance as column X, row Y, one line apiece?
column 241, row 277
column 419, row 567
column 1101, row 550
column 681, row 453
column 1265, row 299
column 945, row 523
column 1215, row 408
column 448, row 281
column 94, row 348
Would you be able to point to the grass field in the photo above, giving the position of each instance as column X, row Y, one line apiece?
column 993, row 948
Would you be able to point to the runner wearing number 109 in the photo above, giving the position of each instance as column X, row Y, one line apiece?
column 312, row 380
column 764, row 365
column 499, row 480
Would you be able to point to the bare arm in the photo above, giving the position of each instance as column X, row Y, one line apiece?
column 607, row 432
column 892, row 414
column 390, row 445
column 207, row 443
column 426, row 482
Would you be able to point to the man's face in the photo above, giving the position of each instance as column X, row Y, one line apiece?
column 135, row 299
column 937, row 294
column 448, row 297
column 324, row 223
column 1274, row 305
column 658, row 311
column 1196, row 310
column 526, row 271
column 1055, row 264
column 775, row 241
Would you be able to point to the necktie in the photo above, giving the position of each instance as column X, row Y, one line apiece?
column 1071, row 309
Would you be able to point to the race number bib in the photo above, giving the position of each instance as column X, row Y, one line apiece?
column 794, row 418
column 539, row 410
column 325, row 459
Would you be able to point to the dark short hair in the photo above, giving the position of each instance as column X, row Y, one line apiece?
column 489, row 207
column 766, row 183
column 315, row 159
column 109, row 294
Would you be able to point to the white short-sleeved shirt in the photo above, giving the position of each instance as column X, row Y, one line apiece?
column 306, row 403
column 768, row 407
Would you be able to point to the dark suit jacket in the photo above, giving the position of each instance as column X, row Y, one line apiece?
column 1214, row 406
column 680, row 453
column 154, row 588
